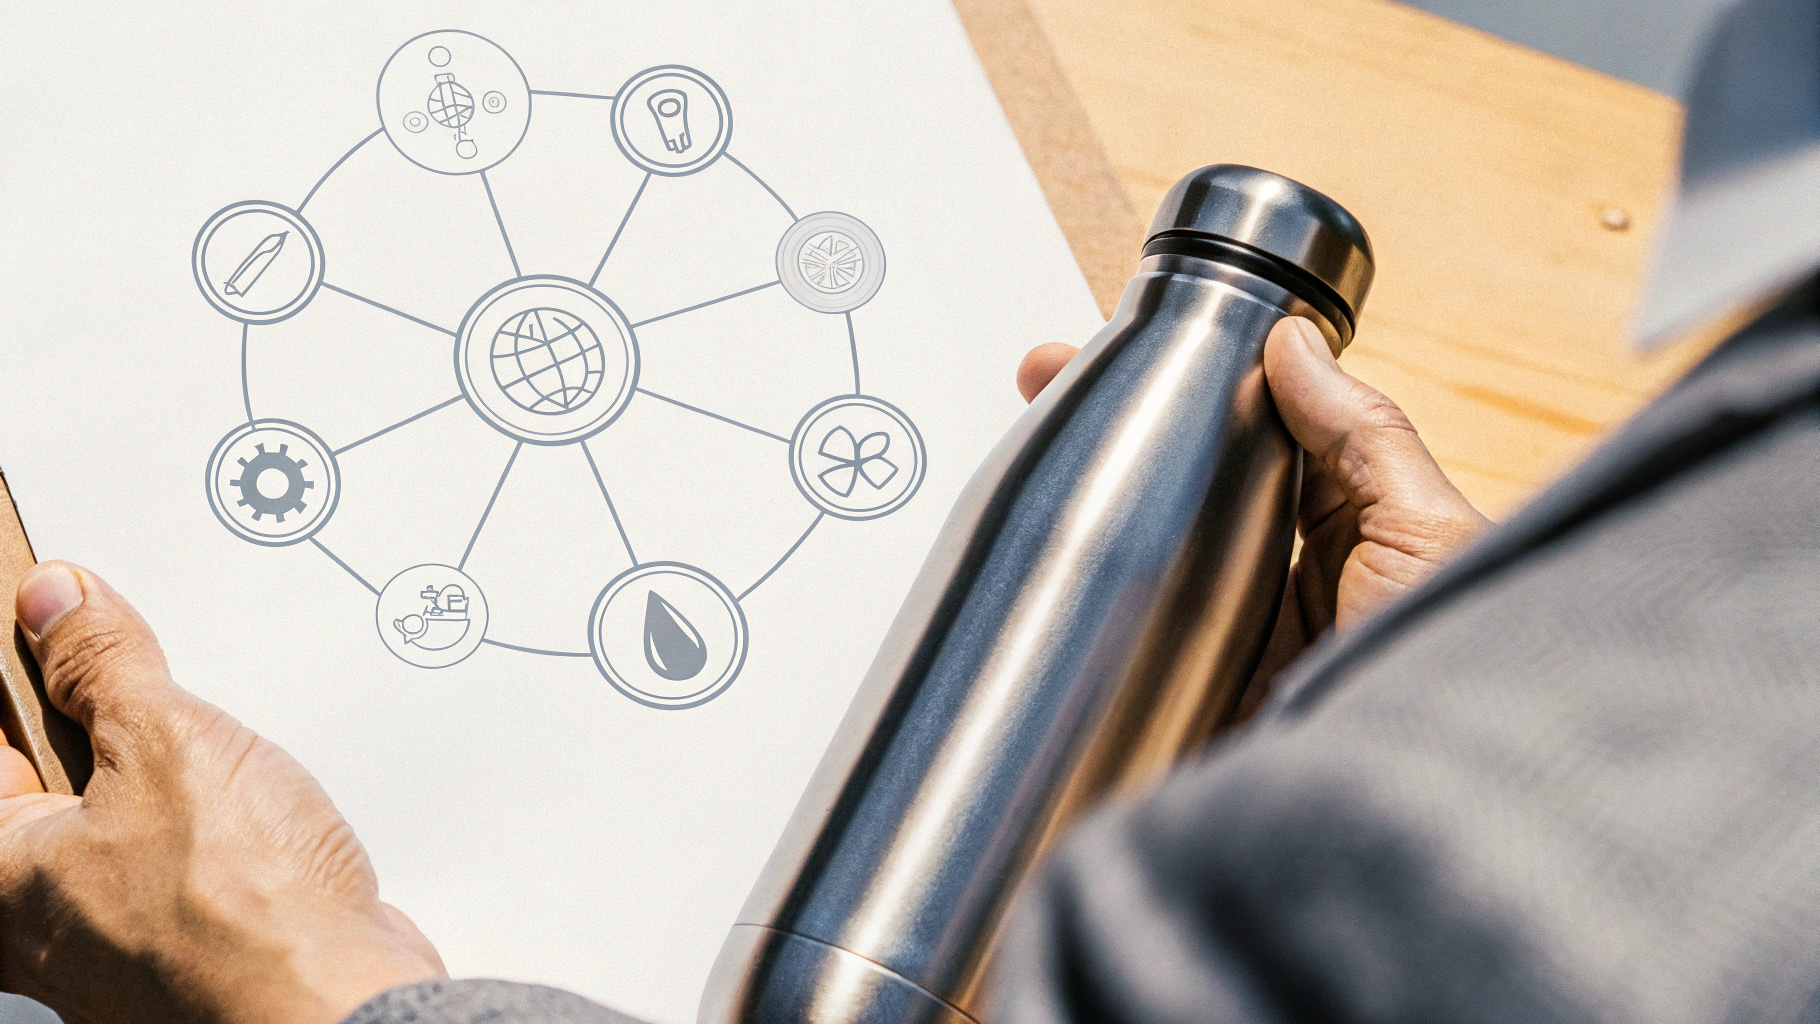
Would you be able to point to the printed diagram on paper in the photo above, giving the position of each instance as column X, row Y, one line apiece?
column 595, row 378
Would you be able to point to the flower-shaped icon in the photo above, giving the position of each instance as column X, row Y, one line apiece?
column 856, row 458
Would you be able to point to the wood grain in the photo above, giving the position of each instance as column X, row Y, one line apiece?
column 1481, row 169
column 1103, row 228
column 56, row 747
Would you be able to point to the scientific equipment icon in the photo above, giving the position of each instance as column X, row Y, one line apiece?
column 442, row 623
column 257, row 262
column 248, row 273
column 273, row 482
column 431, row 616
column 857, row 457
column 671, row 108
column 546, row 360
column 672, row 120
column 831, row 262
column 452, row 106
column 432, row 80
column 668, row 635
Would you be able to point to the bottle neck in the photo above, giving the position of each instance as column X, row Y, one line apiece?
column 1318, row 301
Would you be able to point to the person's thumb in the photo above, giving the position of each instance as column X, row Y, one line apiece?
column 102, row 666
column 1360, row 438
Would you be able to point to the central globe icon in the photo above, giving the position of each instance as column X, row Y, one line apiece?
column 547, row 361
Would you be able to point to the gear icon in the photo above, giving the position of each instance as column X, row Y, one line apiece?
column 262, row 504
column 257, row 488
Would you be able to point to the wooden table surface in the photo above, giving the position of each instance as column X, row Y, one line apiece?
column 1485, row 173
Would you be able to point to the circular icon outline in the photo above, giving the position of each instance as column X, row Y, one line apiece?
column 622, row 104
column 850, row 298
column 320, row 448
column 741, row 636
column 474, row 589
column 473, row 385
column 799, row 448
column 199, row 253
column 385, row 123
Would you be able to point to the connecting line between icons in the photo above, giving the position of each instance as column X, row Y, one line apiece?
column 704, row 305
column 611, row 508
column 487, row 184
column 377, row 132
column 345, row 566
column 573, row 95
column 500, row 486
column 715, row 416
column 623, row 220
column 246, row 389
column 401, row 423
column 761, row 183
column 817, row 521
column 853, row 346
column 534, row 650
column 419, row 321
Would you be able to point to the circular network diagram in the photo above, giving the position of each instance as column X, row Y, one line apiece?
column 548, row 361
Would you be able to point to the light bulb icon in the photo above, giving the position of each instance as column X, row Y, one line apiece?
column 671, row 109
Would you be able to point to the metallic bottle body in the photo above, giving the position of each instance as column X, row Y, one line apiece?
column 1092, row 609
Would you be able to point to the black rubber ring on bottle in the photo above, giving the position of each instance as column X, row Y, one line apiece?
column 1274, row 269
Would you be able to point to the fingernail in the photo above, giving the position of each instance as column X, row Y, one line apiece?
column 1311, row 336
column 46, row 595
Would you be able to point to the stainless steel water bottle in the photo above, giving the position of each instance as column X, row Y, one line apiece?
column 1093, row 608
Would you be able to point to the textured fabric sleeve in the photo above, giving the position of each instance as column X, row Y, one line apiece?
column 1583, row 788
column 481, row 1002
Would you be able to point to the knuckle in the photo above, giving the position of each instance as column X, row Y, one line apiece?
column 73, row 664
column 1378, row 415
column 1429, row 533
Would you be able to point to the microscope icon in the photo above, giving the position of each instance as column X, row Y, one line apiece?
column 671, row 109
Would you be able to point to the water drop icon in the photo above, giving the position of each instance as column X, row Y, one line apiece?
column 673, row 647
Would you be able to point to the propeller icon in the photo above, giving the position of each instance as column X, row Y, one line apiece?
column 854, row 459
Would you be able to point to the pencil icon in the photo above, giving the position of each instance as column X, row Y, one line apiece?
column 255, row 263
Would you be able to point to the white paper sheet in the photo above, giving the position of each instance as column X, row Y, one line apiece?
column 536, row 819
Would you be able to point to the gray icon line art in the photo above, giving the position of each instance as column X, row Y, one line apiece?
column 345, row 567
column 624, row 219
column 704, row 305
column 730, row 421
column 419, row 321
column 487, row 513
column 761, row 184
column 548, row 360
column 511, row 253
column 672, row 120
column 336, row 166
column 246, row 386
column 573, row 95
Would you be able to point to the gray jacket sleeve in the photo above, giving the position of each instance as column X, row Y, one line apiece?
column 481, row 1002
column 1576, row 777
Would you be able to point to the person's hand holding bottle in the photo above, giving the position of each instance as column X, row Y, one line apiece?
column 1377, row 515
